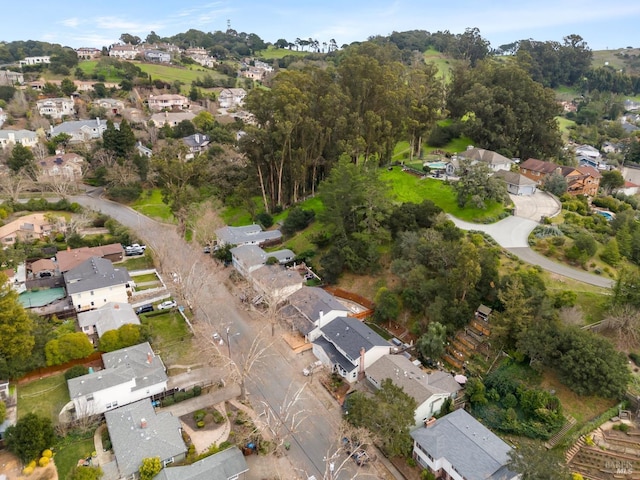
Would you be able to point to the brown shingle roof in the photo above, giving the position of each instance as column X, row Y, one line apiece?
column 68, row 259
column 535, row 165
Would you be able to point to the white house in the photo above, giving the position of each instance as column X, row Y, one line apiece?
column 110, row 316
column 587, row 151
column 429, row 390
column 3, row 117
column 95, row 282
column 311, row 307
column 168, row 101
column 247, row 258
column 493, row 160
column 458, row 447
column 112, row 105
column 55, row 107
column 349, row 347
column 130, row 374
column 124, row 51
column 517, row 184
column 170, row 118
column 82, row 130
column 26, row 138
column 157, row 56
column 231, row 97
column 64, row 165
column 138, row 432
column 35, row 60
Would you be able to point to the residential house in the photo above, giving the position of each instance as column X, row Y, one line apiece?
column 597, row 163
column 95, row 282
column 137, row 432
column 3, row 117
column 196, row 143
column 610, row 147
column 82, row 130
column 629, row 188
column 111, row 105
column 35, row 226
column 247, row 258
column 231, row 97
column 275, row 283
column 247, row 235
column 170, row 118
column 254, row 73
column 110, row 316
column 581, row 180
column 129, row 375
column 311, row 307
column 17, row 278
column 124, row 51
column 458, row 447
column 537, row 170
column 72, row 257
column 517, row 184
column 88, row 53
column 229, row 464
column 44, row 266
column 587, row 151
column 429, row 390
column 26, row 138
column 35, row 60
column 493, row 160
column 143, row 150
column 168, row 101
column 349, row 347
column 9, row 78
column 157, row 56
column 65, row 165
column 201, row 55
column 56, row 107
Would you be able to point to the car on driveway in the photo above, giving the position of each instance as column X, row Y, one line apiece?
column 167, row 305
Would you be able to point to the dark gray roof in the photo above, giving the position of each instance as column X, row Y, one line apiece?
column 283, row 255
column 486, row 156
column 246, row 234
column 121, row 366
column 350, row 335
column 221, row 466
column 75, row 126
column 196, row 140
column 132, row 442
column 310, row 301
column 94, row 273
column 249, row 255
column 110, row 316
column 301, row 323
column 514, row 178
column 334, row 355
column 470, row 447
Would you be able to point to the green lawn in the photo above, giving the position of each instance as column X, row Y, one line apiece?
column 149, row 277
column 171, row 338
column 110, row 74
column 443, row 63
column 272, row 52
column 563, row 125
column 170, row 74
column 69, row 451
column 409, row 188
column 140, row 262
column 45, row 397
column 150, row 204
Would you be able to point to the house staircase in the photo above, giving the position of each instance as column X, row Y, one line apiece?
column 466, row 342
column 569, row 454
column 553, row 441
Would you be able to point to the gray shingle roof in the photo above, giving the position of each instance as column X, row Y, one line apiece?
column 249, row 255
column 75, row 126
column 132, row 442
column 246, row 234
column 310, row 301
column 18, row 134
column 350, row 335
column 221, row 466
column 110, row 316
column 485, row 156
column 93, row 274
column 474, row 451
column 514, row 178
column 196, row 140
column 414, row 381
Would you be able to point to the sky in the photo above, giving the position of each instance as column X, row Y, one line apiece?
column 608, row 24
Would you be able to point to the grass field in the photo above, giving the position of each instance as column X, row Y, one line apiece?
column 409, row 188
column 150, row 204
column 45, row 397
column 171, row 338
column 170, row 74
column 401, row 151
column 443, row 63
column 272, row 52
column 140, row 262
column 149, row 277
column 69, row 451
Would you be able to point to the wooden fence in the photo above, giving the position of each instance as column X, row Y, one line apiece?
column 93, row 360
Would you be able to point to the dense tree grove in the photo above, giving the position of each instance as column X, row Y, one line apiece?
column 30, row 436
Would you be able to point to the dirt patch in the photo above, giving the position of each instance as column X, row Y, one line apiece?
column 12, row 468
column 409, row 473
column 207, row 415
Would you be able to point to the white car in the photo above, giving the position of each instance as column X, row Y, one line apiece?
column 218, row 339
column 167, row 305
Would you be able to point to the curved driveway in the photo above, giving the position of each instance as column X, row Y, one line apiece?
column 512, row 234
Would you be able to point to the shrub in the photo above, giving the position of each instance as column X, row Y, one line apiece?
column 200, row 424
column 167, row 401
column 197, row 390
column 411, row 462
column 47, row 453
column 635, row 357
column 199, row 415
column 265, row 219
column 44, row 461
column 298, row 219
column 75, row 371
column 218, row 417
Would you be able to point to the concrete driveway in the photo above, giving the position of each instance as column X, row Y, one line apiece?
column 535, row 206
column 511, row 232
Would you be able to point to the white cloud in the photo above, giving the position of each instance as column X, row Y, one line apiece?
column 72, row 22
column 121, row 25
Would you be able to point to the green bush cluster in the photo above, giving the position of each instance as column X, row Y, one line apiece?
column 181, row 396
column 635, row 358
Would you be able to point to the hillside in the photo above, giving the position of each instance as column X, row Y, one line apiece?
column 621, row 58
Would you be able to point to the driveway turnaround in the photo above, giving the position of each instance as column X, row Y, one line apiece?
column 536, row 206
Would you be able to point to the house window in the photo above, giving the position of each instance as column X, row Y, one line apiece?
column 92, row 304
column 90, row 398
column 168, row 461
column 91, row 292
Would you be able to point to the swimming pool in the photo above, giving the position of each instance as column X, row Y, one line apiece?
column 608, row 215
column 41, row 298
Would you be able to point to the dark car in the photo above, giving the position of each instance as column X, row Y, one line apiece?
column 144, row 309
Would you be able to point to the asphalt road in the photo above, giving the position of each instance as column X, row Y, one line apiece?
column 280, row 372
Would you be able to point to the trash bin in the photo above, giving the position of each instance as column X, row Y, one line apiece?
column 287, row 445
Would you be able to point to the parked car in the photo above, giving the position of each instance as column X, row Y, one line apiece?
column 206, row 249
column 218, row 339
column 166, row 305
column 144, row 309
column 134, row 249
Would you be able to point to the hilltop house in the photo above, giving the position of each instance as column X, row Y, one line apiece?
column 55, row 107
column 229, row 464
column 349, row 347
column 111, row 105
column 30, row 227
column 95, row 282
column 247, row 258
column 196, row 143
column 583, row 180
column 7, row 77
column 429, row 390
column 35, row 60
column 493, row 160
column 311, row 307
column 170, row 118
column 459, row 447
column 231, row 97
column 124, row 51
column 110, row 316
column 247, row 235
column 138, row 432
column 130, row 374
column 168, row 101
column 88, row 53
column 72, row 257
column 82, row 130
column 26, row 138
column 157, row 56
column 517, row 184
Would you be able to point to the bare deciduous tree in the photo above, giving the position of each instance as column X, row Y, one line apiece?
column 624, row 324
column 124, row 173
column 205, row 220
column 289, row 418
column 61, row 185
column 40, row 151
column 14, row 185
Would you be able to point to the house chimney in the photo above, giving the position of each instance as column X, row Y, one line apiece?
column 429, row 422
column 149, row 358
column 362, row 352
column 320, row 318
column 143, row 423
column 98, row 121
